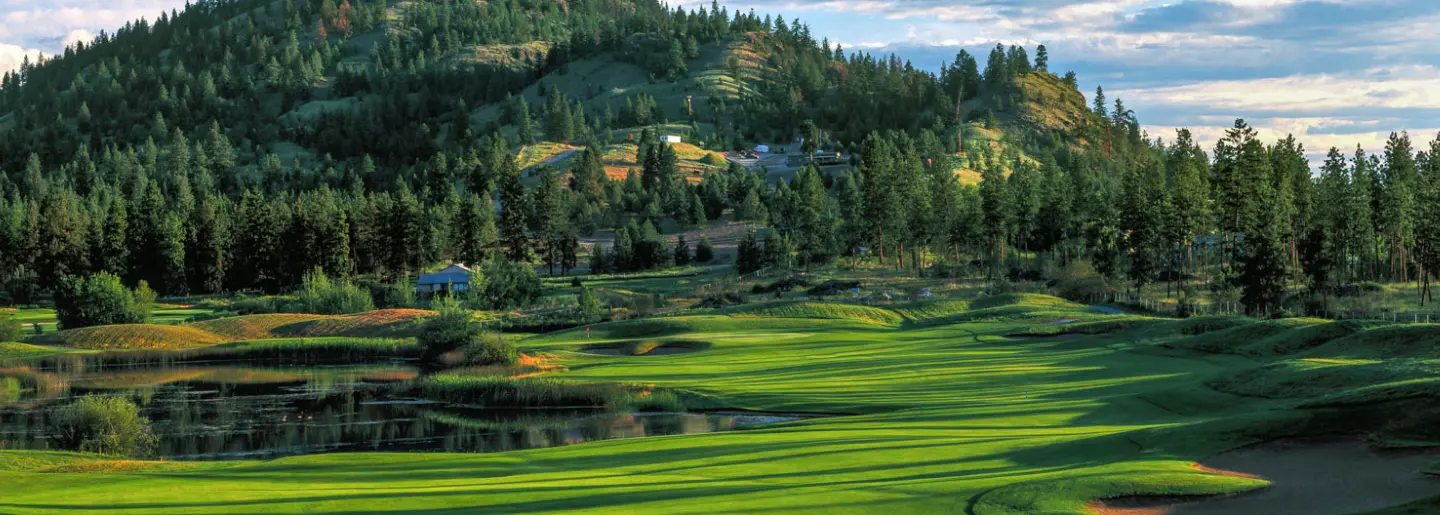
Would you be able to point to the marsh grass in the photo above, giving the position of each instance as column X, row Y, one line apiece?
column 311, row 349
column 496, row 391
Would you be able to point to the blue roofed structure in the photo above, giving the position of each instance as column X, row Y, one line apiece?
column 453, row 278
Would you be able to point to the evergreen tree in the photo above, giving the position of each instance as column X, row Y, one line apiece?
column 682, row 252
column 526, row 123
column 704, row 253
column 514, row 215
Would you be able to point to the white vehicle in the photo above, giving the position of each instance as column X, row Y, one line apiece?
column 762, row 149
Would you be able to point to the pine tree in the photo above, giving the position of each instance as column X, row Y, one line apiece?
column 682, row 252
column 558, row 127
column 475, row 230
column 526, row 124
column 514, row 214
column 704, row 253
column 206, row 246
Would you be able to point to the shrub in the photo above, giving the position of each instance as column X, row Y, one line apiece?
column 704, row 253
column 9, row 327
column 105, row 425
column 509, row 285
column 320, row 295
column 101, row 299
column 489, row 348
column 453, row 328
column 590, row 309
column 389, row 296
column 1077, row 281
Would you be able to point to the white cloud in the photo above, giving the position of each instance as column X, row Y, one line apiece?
column 12, row 55
column 77, row 36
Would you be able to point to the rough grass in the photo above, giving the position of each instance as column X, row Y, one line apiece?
column 819, row 310
column 133, row 337
column 16, row 350
column 336, row 348
column 76, row 463
column 384, row 323
column 378, row 323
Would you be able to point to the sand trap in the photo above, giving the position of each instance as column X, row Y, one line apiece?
column 1328, row 477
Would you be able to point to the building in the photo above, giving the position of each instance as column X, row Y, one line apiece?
column 453, row 278
column 670, row 138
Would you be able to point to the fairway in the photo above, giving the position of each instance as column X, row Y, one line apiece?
column 924, row 418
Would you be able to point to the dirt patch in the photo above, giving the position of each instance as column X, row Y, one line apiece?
column 1309, row 477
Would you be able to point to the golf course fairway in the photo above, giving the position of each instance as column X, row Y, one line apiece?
column 929, row 411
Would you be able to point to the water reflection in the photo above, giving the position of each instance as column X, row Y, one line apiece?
column 220, row 410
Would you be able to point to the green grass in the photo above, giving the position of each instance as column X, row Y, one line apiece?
column 17, row 350
column 932, row 417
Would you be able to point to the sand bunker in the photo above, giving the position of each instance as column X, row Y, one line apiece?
column 1331, row 477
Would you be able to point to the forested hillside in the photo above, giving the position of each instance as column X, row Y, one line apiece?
column 238, row 145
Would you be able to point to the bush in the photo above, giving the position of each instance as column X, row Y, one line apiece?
column 389, row 296
column 105, row 425
column 590, row 309
column 453, row 327
column 9, row 327
column 321, row 296
column 101, row 299
column 704, row 253
column 1077, row 281
column 509, row 285
column 489, row 348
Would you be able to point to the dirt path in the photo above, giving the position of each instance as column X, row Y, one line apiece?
column 1330, row 477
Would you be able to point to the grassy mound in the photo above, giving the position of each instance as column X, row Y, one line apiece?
column 1385, row 342
column 1310, row 378
column 252, row 327
column 1109, row 324
column 822, row 310
column 647, row 347
column 133, row 337
column 1234, row 339
column 1065, row 496
column 1205, row 324
column 1306, row 337
column 378, row 323
column 16, row 350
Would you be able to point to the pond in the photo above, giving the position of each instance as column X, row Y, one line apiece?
column 221, row 410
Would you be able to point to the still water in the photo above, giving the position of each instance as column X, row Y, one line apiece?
column 221, row 410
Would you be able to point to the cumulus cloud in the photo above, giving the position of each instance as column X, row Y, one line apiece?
column 12, row 55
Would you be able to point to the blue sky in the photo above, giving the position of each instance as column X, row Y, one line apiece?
column 1332, row 72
